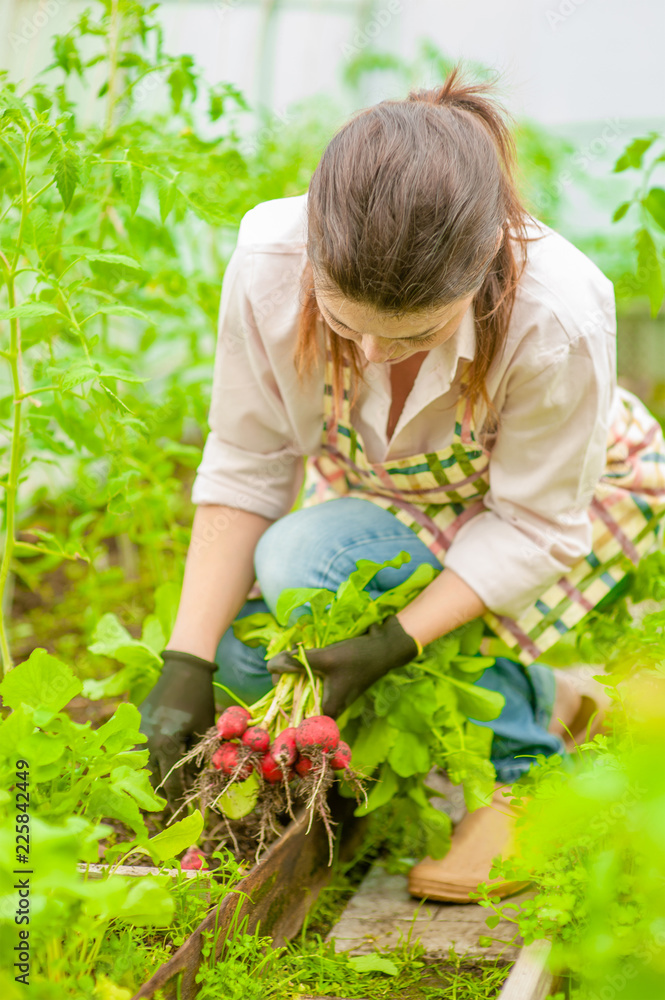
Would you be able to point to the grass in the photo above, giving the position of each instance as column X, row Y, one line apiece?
column 251, row 969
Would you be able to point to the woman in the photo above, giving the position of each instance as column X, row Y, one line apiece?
column 447, row 365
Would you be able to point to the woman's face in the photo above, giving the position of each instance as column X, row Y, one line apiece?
column 382, row 338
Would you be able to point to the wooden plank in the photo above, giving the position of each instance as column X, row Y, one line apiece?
column 382, row 908
column 530, row 978
column 275, row 895
column 136, row 871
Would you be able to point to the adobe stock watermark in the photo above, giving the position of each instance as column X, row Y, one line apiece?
column 592, row 151
column 556, row 16
column 648, row 270
column 257, row 485
column 30, row 26
column 265, row 308
column 138, row 92
column 279, row 119
column 364, row 37
column 224, row 7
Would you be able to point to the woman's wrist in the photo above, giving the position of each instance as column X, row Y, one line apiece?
column 184, row 641
column 445, row 604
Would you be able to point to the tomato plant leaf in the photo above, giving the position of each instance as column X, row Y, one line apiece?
column 129, row 178
column 621, row 211
column 655, row 205
column 30, row 310
column 122, row 375
column 118, row 309
column 631, row 158
column 649, row 270
column 77, row 373
column 67, row 167
column 166, row 192
column 116, row 266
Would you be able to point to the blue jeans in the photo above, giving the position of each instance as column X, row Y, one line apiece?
column 318, row 547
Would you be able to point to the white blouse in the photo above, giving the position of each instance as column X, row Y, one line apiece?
column 554, row 387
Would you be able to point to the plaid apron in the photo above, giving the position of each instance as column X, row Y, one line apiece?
column 436, row 493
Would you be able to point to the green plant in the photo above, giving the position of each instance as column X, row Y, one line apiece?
column 591, row 837
column 626, row 632
column 646, row 155
column 79, row 795
column 140, row 657
column 250, row 968
column 113, row 240
column 408, row 722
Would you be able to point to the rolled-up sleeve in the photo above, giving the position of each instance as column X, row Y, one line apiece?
column 250, row 460
column 548, row 455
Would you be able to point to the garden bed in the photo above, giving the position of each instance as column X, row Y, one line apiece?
column 276, row 894
column 279, row 891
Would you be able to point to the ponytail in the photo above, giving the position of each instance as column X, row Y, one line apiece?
column 403, row 215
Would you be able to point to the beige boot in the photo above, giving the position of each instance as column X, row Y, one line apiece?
column 476, row 841
column 482, row 835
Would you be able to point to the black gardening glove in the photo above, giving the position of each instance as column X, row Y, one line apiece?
column 349, row 667
column 178, row 710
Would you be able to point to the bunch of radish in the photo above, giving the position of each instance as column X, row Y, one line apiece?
column 294, row 751
column 277, row 751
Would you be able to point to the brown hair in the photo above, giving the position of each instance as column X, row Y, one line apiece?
column 403, row 214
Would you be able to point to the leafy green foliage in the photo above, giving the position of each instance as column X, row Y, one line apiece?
column 252, row 969
column 343, row 614
column 646, row 155
column 75, row 771
column 625, row 635
column 412, row 719
column 592, row 839
column 141, row 657
column 114, row 234
column 76, row 782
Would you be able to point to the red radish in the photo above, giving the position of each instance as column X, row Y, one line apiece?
column 317, row 733
column 193, row 859
column 232, row 723
column 284, row 747
column 271, row 770
column 342, row 757
column 227, row 759
column 303, row 766
column 256, row 739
